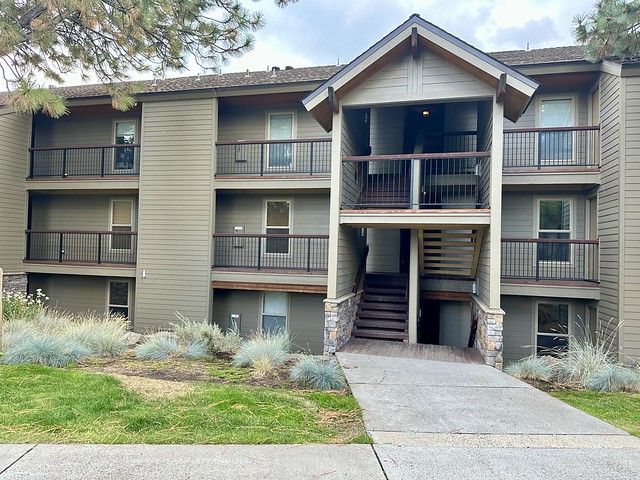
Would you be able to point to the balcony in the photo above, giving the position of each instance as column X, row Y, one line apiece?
column 107, row 161
column 82, row 248
column 274, row 158
column 550, row 261
column 294, row 263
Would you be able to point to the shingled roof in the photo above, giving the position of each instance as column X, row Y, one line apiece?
column 513, row 58
column 538, row 56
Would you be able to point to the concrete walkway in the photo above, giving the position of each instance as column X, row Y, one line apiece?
column 428, row 419
column 443, row 420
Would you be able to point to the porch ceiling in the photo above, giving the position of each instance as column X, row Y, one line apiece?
column 415, row 218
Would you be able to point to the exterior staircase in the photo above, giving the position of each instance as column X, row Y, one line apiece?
column 384, row 308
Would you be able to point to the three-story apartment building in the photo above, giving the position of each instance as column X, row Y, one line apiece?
column 427, row 192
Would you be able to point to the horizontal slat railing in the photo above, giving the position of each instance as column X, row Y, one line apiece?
column 90, row 161
column 87, row 247
column 305, row 156
column 430, row 180
column 550, row 259
column 545, row 148
column 308, row 253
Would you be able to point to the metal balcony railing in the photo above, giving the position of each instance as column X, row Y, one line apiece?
column 306, row 156
column 417, row 181
column 546, row 148
column 87, row 247
column 308, row 253
column 99, row 161
column 550, row 259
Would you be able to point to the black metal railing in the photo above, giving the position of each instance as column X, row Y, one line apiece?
column 550, row 259
column 446, row 180
column 99, row 161
column 306, row 156
column 88, row 247
column 307, row 253
column 559, row 147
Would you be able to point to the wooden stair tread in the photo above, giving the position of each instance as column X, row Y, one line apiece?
column 385, row 335
column 381, row 324
column 384, row 315
column 383, row 306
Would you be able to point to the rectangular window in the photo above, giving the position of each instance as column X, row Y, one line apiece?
column 556, row 146
column 552, row 327
column 125, row 134
column 278, row 213
column 280, row 127
column 274, row 311
column 119, row 297
column 121, row 221
column 554, row 222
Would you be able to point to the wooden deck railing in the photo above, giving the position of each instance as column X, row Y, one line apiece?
column 304, row 156
column 550, row 259
column 308, row 253
column 88, row 247
column 545, row 148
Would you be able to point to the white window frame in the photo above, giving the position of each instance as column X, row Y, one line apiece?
column 114, row 124
column 570, row 316
column 111, row 224
column 265, row 226
column 294, row 132
column 572, row 216
column 129, row 302
column 574, row 122
column 287, row 307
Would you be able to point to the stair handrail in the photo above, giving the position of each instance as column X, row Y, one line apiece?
column 361, row 270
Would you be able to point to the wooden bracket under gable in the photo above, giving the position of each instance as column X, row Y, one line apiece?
column 414, row 43
column 334, row 103
column 501, row 89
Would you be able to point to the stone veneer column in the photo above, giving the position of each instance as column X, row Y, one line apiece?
column 489, row 340
column 14, row 282
column 339, row 318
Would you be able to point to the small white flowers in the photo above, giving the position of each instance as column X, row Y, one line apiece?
column 20, row 305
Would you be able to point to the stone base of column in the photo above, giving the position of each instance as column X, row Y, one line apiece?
column 14, row 282
column 339, row 318
column 489, row 340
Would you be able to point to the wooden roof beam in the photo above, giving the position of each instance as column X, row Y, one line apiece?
column 334, row 103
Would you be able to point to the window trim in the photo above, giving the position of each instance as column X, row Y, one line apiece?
column 287, row 307
column 294, row 122
column 114, row 124
column 129, row 299
column 265, row 226
column 111, row 224
column 572, row 223
column 550, row 301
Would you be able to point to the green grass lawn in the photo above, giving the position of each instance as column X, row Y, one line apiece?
column 619, row 409
column 48, row 405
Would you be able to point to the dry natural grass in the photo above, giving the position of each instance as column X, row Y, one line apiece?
column 153, row 389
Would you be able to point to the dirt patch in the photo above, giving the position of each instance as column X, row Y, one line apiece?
column 183, row 371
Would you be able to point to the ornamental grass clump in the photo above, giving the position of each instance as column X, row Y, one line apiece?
column 163, row 345
column 532, row 368
column 614, row 378
column 581, row 360
column 211, row 335
column 264, row 349
column 318, row 373
column 104, row 336
column 48, row 350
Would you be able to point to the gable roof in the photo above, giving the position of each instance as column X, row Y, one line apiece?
column 519, row 88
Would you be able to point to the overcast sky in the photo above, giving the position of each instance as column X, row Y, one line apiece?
column 319, row 32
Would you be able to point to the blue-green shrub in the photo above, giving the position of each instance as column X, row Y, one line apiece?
column 614, row 378
column 318, row 373
column 265, row 347
column 49, row 351
column 532, row 368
